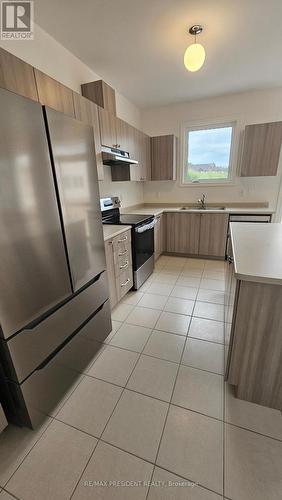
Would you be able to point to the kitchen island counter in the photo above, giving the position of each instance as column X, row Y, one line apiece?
column 257, row 250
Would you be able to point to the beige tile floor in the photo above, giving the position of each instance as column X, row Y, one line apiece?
column 153, row 408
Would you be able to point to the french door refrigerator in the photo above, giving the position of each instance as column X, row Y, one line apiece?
column 54, row 293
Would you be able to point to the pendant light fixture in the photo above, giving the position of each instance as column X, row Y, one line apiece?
column 194, row 56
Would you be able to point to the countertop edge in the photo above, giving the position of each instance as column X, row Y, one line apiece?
column 158, row 211
column 113, row 230
column 254, row 278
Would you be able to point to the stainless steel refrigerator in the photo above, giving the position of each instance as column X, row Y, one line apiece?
column 54, row 293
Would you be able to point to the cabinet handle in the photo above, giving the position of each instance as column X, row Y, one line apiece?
column 124, row 239
column 122, row 253
column 124, row 265
column 125, row 283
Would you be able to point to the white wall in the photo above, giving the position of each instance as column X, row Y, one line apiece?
column 46, row 54
column 245, row 108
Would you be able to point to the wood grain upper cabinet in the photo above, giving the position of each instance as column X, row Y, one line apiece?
column 17, row 76
column 163, row 157
column 87, row 112
column 182, row 233
column 141, row 151
column 123, row 135
column 213, row 234
column 145, row 157
column 54, row 94
column 100, row 93
column 108, row 130
column 82, row 108
column 261, row 150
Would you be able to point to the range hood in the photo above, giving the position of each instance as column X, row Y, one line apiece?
column 116, row 157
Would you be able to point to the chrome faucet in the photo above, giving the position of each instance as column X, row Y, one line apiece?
column 202, row 201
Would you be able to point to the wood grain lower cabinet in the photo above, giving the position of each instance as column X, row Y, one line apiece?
column 17, row 76
column 163, row 158
column 110, row 263
column 196, row 233
column 213, row 234
column 119, row 266
column 159, row 236
column 87, row 112
column 54, row 94
column 255, row 346
column 183, row 233
column 261, row 150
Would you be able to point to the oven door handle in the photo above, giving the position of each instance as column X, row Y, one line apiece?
column 146, row 227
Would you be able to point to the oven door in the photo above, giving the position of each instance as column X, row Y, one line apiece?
column 143, row 243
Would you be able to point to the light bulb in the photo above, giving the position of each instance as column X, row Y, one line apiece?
column 194, row 57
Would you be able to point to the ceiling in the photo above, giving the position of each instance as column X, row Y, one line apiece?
column 137, row 46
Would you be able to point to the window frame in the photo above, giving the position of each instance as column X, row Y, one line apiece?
column 205, row 125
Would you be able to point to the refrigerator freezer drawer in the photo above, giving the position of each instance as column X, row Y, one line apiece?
column 42, row 393
column 29, row 348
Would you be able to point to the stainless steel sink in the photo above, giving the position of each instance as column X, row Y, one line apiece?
column 207, row 209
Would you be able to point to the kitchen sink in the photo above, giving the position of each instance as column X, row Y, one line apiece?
column 207, row 209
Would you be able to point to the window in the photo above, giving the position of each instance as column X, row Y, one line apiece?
column 207, row 153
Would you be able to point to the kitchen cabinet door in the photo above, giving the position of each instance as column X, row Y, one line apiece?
column 261, row 150
column 97, row 140
column 110, row 264
column 213, row 234
column 163, row 157
column 182, row 233
column 123, row 135
column 136, row 171
column 54, row 94
column 159, row 236
column 101, row 94
column 87, row 112
column 147, row 152
column 82, row 108
column 108, row 128
column 17, row 76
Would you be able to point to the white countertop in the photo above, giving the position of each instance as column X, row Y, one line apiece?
column 257, row 252
column 159, row 210
column 111, row 230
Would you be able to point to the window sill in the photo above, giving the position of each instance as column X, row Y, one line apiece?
column 207, row 184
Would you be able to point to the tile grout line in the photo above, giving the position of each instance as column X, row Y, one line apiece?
column 51, row 420
column 169, row 405
column 11, row 494
column 167, row 402
column 99, row 439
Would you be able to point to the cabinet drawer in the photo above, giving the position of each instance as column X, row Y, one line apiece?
column 123, row 262
column 122, row 244
column 124, row 282
column 41, row 393
column 29, row 348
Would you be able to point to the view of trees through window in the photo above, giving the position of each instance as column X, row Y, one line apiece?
column 208, row 155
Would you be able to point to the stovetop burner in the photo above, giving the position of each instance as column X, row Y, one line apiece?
column 130, row 219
